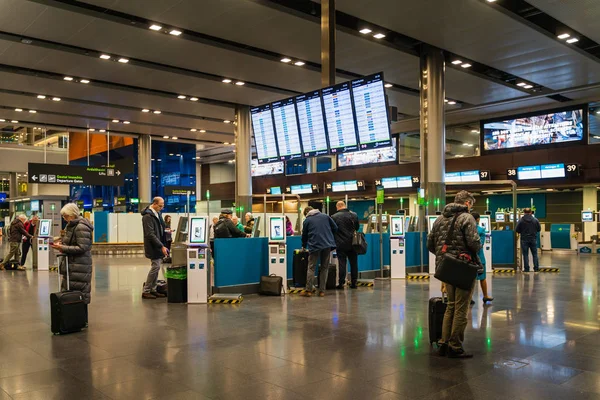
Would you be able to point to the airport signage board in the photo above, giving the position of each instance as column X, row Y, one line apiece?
column 179, row 190
column 59, row 174
column 345, row 186
column 398, row 182
column 545, row 171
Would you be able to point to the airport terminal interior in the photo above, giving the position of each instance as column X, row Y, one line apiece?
column 194, row 115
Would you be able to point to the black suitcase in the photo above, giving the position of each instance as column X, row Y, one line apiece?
column 437, row 308
column 271, row 285
column 11, row 265
column 68, row 311
column 300, row 268
column 332, row 276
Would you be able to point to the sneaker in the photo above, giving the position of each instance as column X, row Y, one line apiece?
column 340, row 287
column 458, row 353
column 442, row 350
column 21, row 268
column 148, row 296
column 487, row 299
column 156, row 294
column 321, row 294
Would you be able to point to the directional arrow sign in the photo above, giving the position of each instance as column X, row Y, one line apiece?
column 58, row 174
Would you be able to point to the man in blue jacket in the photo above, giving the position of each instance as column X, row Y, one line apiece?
column 317, row 237
column 528, row 227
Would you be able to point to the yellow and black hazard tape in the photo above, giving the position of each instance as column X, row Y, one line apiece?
column 53, row 268
column 418, row 277
column 504, row 270
column 549, row 269
column 225, row 301
column 365, row 284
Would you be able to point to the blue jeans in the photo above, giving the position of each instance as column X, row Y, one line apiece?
column 526, row 245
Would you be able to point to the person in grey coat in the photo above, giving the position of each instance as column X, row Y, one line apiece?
column 465, row 239
column 77, row 245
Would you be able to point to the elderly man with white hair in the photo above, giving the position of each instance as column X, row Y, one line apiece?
column 15, row 235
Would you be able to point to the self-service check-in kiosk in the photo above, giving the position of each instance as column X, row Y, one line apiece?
column 42, row 242
column 198, row 261
column 486, row 223
column 397, row 248
column 277, row 248
column 430, row 221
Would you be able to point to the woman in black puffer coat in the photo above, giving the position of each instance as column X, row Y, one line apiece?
column 77, row 245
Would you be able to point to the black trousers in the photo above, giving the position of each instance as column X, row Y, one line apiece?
column 351, row 256
column 25, row 250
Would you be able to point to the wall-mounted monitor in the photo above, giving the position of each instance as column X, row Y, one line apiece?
column 538, row 171
column 370, row 108
column 339, row 118
column 534, row 129
column 274, row 190
column 511, row 217
column 500, row 217
column 287, row 132
column 34, row 206
column 588, row 216
column 466, row 176
column 373, row 156
column 266, row 169
column 264, row 134
column 398, row 182
column 346, row 186
column 552, row 171
column 276, row 229
column 431, row 220
column 312, row 124
column 397, row 225
column 45, row 228
column 306, row 188
column 197, row 232
column 486, row 223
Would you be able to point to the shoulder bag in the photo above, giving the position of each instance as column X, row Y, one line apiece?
column 271, row 285
column 359, row 243
column 459, row 271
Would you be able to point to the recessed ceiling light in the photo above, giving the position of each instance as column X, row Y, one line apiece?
column 14, row 121
column 445, row 100
column 528, row 86
column 174, row 137
column 491, row 1
column 286, row 60
column 226, row 143
column 155, row 27
column 240, row 83
column 299, row 63
column 84, row 81
column 227, row 121
column 123, row 60
column 474, row 131
column 193, row 98
column 202, row 130
column 194, row 130
column 181, row 97
column 32, row 111
column 145, row 110
column 175, row 32
column 41, row 96
column 459, row 156
column 92, row 130
column 452, row 102
column 388, row 85
column 193, row 158
column 226, row 80
column 68, row 78
column 364, row 31
column 521, row 84
column 177, row 155
column 572, row 40
column 105, row 56
column 171, row 154
column 598, row 112
column 102, row 130
column 159, row 159
column 2, row 120
column 126, row 122
column 563, row 36
column 115, row 120
column 466, row 65
column 379, row 36
column 456, row 62
column 18, row 109
column 56, row 99
column 165, row 137
column 157, row 111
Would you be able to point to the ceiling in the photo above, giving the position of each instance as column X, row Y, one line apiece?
column 43, row 41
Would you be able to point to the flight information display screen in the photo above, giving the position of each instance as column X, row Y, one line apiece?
column 463, row 176
column 286, row 129
column 312, row 124
column 339, row 118
column 529, row 172
column 396, row 182
column 370, row 109
column 552, row 171
column 266, row 169
column 373, row 156
column 539, row 171
column 302, row 189
column 264, row 134
column 346, row 186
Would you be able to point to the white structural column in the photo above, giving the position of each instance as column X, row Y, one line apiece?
column 144, row 170
column 243, row 159
column 590, row 202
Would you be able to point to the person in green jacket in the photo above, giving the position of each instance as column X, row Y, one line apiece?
column 237, row 223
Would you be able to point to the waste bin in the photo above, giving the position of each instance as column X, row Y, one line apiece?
column 177, row 284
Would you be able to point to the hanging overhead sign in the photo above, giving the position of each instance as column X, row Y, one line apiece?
column 60, row 174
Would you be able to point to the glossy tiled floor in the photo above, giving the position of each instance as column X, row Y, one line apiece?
column 539, row 340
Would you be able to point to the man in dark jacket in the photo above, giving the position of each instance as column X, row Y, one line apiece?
column 16, row 232
column 225, row 228
column 464, row 239
column 347, row 223
column 30, row 226
column 154, row 245
column 317, row 237
column 528, row 227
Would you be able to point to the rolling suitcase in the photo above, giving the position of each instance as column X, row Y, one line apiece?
column 68, row 311
column 300, row 267
column 11, row 265
column 437, row 308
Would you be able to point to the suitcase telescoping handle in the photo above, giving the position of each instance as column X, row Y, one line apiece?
column 59, row 256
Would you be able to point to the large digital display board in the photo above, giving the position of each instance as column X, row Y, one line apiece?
column 312, row 124
column 370, row 109
column 373, row 156
column 266, row 169
column 339, row 118
column 286, row 129
column 533, row 130
column 264, row 134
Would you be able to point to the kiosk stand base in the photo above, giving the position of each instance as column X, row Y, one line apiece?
column 223, row 298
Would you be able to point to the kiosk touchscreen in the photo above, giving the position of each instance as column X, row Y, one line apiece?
column 500, row 216
column 397, row 249
column 587, row 216
column 430, row 221
column 43, row 244
column 486, row 223
column 277, row 248
column 198, row 261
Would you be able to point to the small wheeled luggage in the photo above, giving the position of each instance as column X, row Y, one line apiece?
column 11, row 265
column 68, row 311
column 437, row 308
column 271, row 285
column 300, row 267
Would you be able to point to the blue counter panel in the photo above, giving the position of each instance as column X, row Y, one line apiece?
column 101, row 227
column 503, row 251
column 560, row 236
column 240, row 261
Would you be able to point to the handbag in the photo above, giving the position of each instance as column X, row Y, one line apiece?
column 271, row 285
column 359, row 244
column 459, row 271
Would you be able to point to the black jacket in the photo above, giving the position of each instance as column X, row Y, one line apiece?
column 224, row 228
column 347, row 223
column 528, row 226
column 77, row 245
column 249, row 226
column 17, row 231
column 154, row 234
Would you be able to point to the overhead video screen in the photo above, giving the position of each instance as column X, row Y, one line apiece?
column 266, row 169
column 286, row 129
column 339, row 118
column 549, row 128
column 370, row 109
column 312, row 124
column 264, row 134
column 373, row 156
